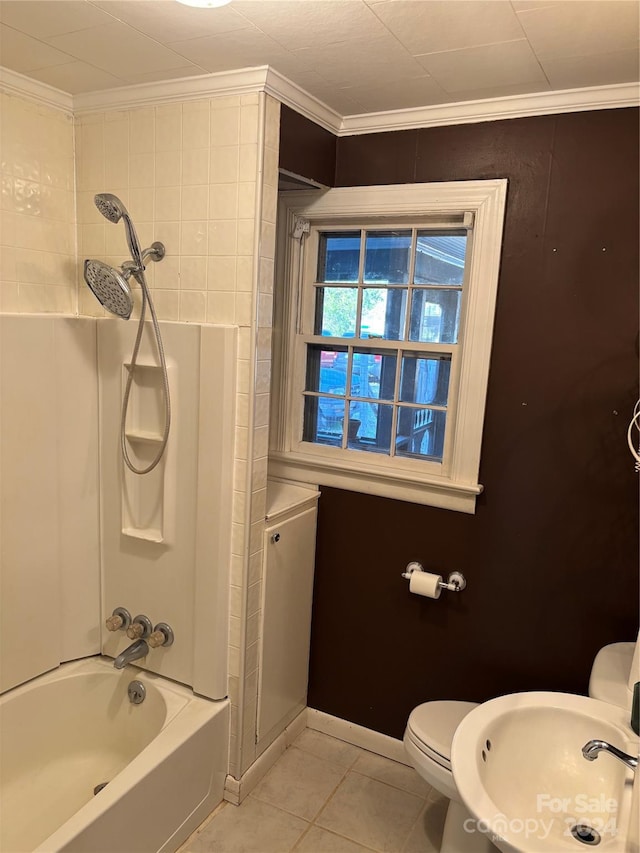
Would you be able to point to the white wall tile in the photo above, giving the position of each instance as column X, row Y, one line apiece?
column 193, row 274
column 142, row 131
column 223, row 201
column 242, row 410
column 223, row 237
column 38, row 212
column 244, row 280
column 141, row 204
column 225, row 127
column 254, row 598
column 255, row 568
column 169, row 128
column 246, row 237
column 195, row 202
column 261, row 410
column 168, row 168
column 142, row 170
column 221, row 307
column 195, row 166
column 195, row 125
column 224, row 164
column 272, row 124
column 246, row 200
column 248, row 162
column 193, row 306
column 188, row 174
column 249, row 124
column 193, row 237
column 167, row 204
column 221, row 273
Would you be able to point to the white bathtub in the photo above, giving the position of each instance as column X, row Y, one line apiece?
column 64, row 733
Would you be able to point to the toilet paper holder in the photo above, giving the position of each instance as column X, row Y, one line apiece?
column 456, row 581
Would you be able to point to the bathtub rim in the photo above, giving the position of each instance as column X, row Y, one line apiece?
column 195, row 713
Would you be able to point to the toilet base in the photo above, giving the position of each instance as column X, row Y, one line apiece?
column 457, row 839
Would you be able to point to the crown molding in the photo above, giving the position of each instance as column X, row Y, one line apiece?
column 495, row 109
column 223, row 83
column 289, row 93
column 13, row 83
column 266, row 79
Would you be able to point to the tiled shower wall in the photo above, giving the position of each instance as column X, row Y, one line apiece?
column 37, row 228
column 200, row 176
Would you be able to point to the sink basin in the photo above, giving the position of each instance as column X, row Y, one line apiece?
column 518, row 766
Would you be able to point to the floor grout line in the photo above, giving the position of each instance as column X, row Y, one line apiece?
column 348, row 771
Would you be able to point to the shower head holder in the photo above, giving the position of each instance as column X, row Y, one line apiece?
column 155, row 252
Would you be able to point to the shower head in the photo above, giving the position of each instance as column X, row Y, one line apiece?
column 110, row 207
column 110, row 288
column 114, row 210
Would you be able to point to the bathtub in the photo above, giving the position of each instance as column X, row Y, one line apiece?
column 65, row 733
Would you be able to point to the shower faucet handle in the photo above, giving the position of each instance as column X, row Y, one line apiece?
column 120, row 618
column 140, row 628
column 162, row 636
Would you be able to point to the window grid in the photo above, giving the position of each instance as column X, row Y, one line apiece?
column 400, row 347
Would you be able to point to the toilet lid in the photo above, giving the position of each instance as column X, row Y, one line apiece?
column 434, row 724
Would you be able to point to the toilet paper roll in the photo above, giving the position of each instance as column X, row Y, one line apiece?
column 424, row 583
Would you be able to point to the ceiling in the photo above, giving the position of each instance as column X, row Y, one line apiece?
column 357, row 56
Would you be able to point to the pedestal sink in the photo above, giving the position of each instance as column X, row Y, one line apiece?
column 517, row 762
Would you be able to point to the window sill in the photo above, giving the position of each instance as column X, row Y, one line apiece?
column 438, row 492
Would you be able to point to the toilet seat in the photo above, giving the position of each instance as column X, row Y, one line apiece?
column 428, row 737
column 434, row 724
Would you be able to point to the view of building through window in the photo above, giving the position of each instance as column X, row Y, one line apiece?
column 403, row 288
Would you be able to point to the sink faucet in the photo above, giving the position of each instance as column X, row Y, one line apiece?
column 593, row 748
column 136, row 650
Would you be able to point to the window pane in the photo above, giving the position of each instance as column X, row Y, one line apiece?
column 425, row 380
column 339, row 256
column 383, row 313
column 387, row 255
column 435, row 316
column 440, row 258
column 369, row 427
column 336, row 309
column 323, row 419
column 420, row 433
column 326, row 369
column 373, row 375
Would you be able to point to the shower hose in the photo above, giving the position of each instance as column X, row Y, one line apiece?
column 146, row 300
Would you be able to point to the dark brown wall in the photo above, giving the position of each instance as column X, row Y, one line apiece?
column 306, row 149
column 551, row 555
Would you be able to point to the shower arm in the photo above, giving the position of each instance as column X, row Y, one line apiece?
column 155, row 252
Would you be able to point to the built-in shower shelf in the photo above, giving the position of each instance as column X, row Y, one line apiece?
column 144, row 436
column 148, row 534
column 148, row 500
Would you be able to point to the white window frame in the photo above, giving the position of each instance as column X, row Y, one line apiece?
column 454, row 484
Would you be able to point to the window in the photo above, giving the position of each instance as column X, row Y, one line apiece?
column 385, row 314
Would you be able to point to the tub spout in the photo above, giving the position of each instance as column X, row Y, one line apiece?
column 135, row 651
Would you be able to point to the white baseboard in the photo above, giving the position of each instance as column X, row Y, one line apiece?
column 235, row 790
column 389, row 747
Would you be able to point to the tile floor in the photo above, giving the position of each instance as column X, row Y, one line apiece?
column 327, row 796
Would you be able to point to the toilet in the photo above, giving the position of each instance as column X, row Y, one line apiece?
column 427, row 742
column 615, row 670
